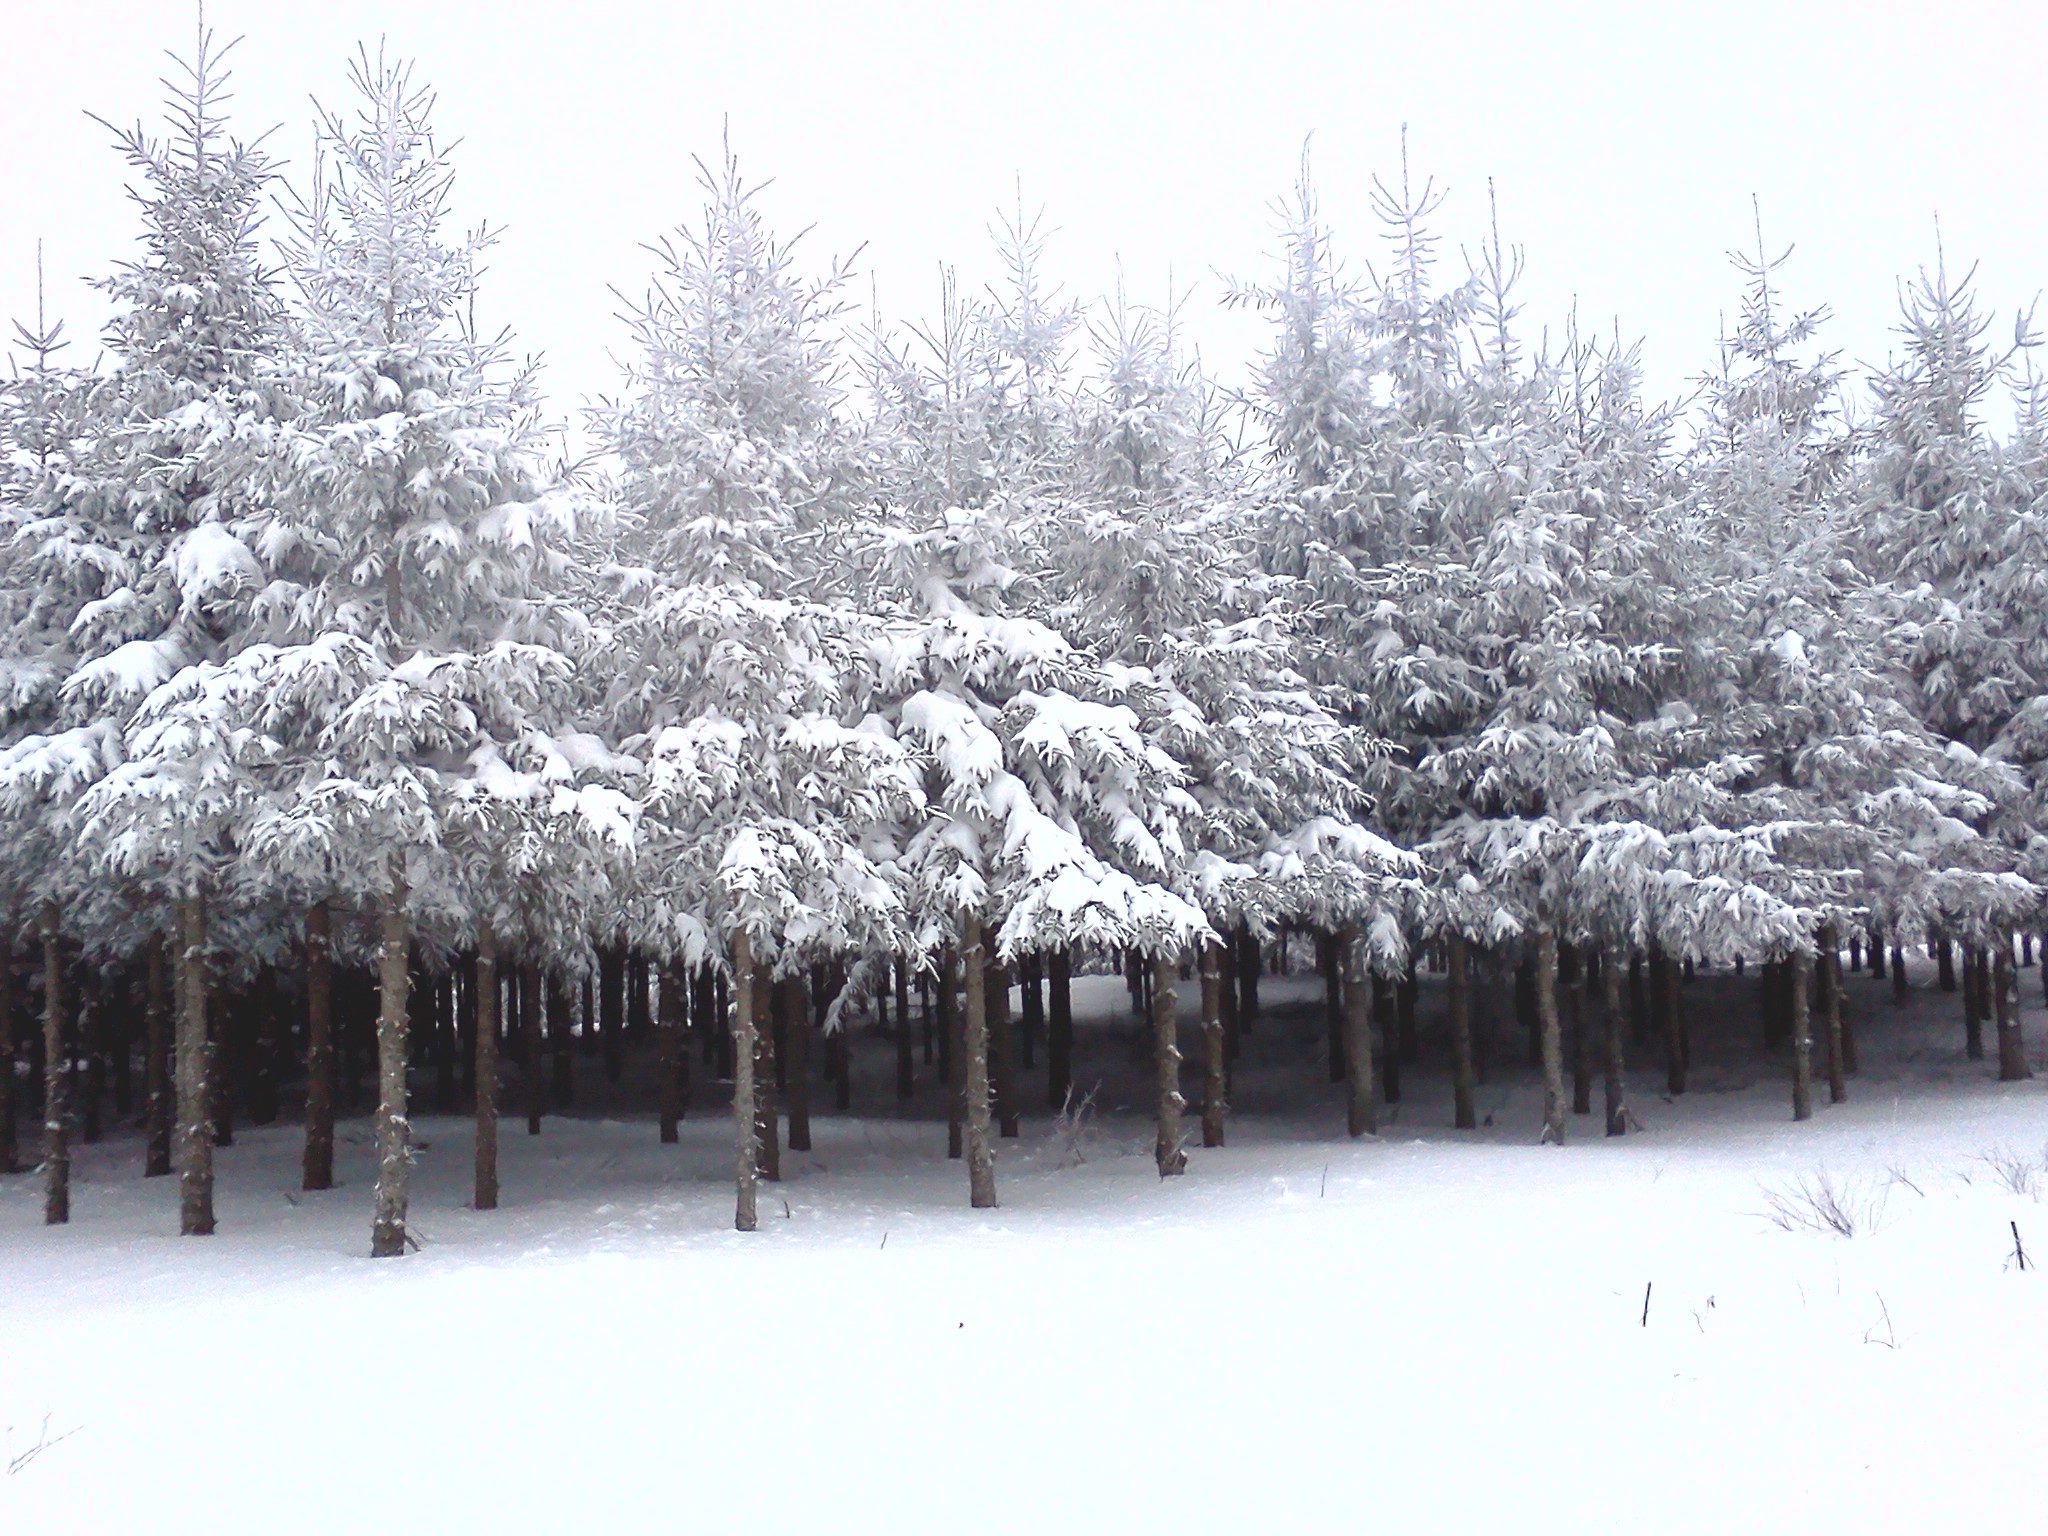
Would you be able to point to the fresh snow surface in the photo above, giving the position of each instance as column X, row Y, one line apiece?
column 1427, row 1331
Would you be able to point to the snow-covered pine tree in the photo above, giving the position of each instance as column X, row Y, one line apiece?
column 417, row 657
column 138, row 543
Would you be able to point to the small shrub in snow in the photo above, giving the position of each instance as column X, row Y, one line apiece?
column 1073, row 1130
column 1845, row 1207
column 2015, row 1173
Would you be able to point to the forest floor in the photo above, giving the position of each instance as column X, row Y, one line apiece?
column 1424, row 1330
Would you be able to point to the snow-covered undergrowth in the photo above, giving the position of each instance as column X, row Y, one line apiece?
column 1424, row 1331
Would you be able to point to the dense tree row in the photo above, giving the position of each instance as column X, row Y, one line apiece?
column 957, row 652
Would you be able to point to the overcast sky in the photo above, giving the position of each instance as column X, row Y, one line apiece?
column 1625, row 142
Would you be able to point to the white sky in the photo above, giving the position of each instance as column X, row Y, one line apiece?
column 1625, row 141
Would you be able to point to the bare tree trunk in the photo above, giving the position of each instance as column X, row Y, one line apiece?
column 89, row 1034
column 746, row 1149
column 1249, row 958
column 562, row 1046
column 1944, row 959
column 1059, row 1027
column 1406, row 991
column 1002, row 1048
column 1213, row 1050
column 946, row 1003
column 906, row 1042
column 194, row 1143
column 981, row 1157
column 1457, row 989
column 394, row 1127
column 10, row 1154
column 56, row 1105
column 1638, row 1001
column 1802, row 1035
column 531, row 980
column 1898, row 973
column 317, row 1166
column 2012, row 1054
column 1973, row 1006
column 1664, row 1002
column 1617, row 1081
column 1545, row 942
column 670, row 1049
column 611, row 1008
column 796, row 1061
column 1383, row 1026
column 487, row 992
column 1571, row 965
column 1831, row 1005
column 767, row 1129
column 1327, row 950
column 1361, row 1116
column 1031, row 1019
column 1167, row 1149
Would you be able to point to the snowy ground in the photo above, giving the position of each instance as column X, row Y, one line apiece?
column 1426, row 1331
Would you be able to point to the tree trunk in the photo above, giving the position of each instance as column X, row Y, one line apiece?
column 927, row 1025
column 1333, row 1007
column 1610, row 1019
column 767, row 1129
column 1002, row 1047
column 946, row 1004
column 1973, row 1003
column 796, row 1064
column 56, row 1105
column 1389, row 1040
column 1638, row 1001
column 1248, row 961
column 88, row 1035
column 1405, row 993
column 485, row 1197
column 1526, row 1011
column 1898, row 973
column 906, row 1042
column 671, row 1051
column 981, row 1157
column 10, row 1154
column 1167, row 1149
column 639, row 1020
column 611, row 1007
column 394, row 1128
column 746, row 1148
column 1802, row 1036
column 1059, row 1027
column 1213, row 1047
column 1944, row 959
column 194, row 1142
column 225, row 1072
column 560, row 1041
column 1031, row 1020
column 1831, row 1008
column 317, row 1165
column 839, row 1043
column 1457, row 993
column 2012, row 1054
column 1226, row 972
column 1876, row 955
column 1361, row 1116
column 441, row 1013
column 1572, row 975
column 1664, row 1002
column 534, row 1068
column 1553, row 1046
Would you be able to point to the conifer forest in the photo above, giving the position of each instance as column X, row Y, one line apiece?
column 903, row 772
